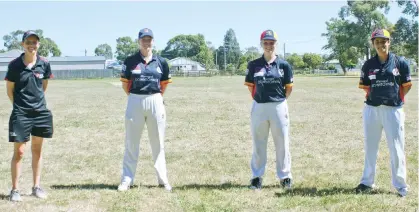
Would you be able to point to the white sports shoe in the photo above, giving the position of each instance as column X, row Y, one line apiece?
column 124, row 186
column 166, row 186
column 402, row 192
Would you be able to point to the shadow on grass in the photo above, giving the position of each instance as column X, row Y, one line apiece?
column 342, row 76
column 224, row 186
column 325, row 192
column 87, row 187
column 4, row 197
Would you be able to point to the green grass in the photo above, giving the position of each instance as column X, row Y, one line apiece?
column 208, row 147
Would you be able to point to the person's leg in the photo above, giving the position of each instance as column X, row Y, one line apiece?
column 19, row 132
column 372, row 135
column 280, row 132
column 19, row 150
column 37, row 166
column 43, row 128
column 393, row 121
column 156, row 124
column 134, row 124
column 260, row 132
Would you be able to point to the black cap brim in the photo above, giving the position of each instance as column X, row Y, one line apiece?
column 28, row 35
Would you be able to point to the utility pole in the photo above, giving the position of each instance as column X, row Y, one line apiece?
column 216, row 57
column 225, row 59
column 85, row 52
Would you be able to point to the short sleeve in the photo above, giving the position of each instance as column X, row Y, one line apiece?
column 48, row 74
column 404, row 71
column 125, row 72
column 288, row 76
column 364, row 81
column 12, row 74
column 165, row 77
column 249, row 80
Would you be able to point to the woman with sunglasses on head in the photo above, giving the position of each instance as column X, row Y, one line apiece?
column 270, row 81
column 27, row 79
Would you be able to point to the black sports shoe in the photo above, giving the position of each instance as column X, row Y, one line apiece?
column 286, row 183
column 256, row 183
column 361, row 188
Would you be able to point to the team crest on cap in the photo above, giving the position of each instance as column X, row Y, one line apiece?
column 146, row 30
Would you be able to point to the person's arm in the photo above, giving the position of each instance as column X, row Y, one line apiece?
column 47, row 75
column 166, row 78
column 406, row 82
column 249, row 80
column 12, row 76
column 126, row 77
column 288, row 79
column 10, row 89
column 364, row 81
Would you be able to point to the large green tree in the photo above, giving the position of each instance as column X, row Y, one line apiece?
column 296, row 61
column 363, row 18
column 340, row 44
column 229, row 52
column 312, row 60
column 104, row 50
column 405, row 32
column 192, row 46
column 47, row 46
column 125, row 47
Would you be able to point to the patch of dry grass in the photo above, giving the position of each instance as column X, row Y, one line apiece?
column 208, row 147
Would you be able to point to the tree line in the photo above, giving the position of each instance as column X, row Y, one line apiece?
column 348, row 41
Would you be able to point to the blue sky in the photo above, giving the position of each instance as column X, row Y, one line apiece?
column 76, row 26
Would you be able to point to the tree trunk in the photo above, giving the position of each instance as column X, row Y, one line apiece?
column 343, row 68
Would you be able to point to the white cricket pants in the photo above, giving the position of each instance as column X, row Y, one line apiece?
column 392, row 120
column 273, row 116
column 149, row 110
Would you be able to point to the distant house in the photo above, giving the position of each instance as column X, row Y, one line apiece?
column 59, row 63
column 182, row 64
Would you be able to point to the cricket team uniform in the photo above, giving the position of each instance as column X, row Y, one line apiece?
column 270, row 112
column 145, row 107
column 30, row 115
column 383, row 110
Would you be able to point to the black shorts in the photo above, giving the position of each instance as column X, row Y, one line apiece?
column 37, row 123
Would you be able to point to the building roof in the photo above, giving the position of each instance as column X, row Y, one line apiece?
column 12, row 53
column 183, row 61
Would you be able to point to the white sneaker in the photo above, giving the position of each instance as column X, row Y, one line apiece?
column 402, row 192
column 124, row 186
column 166, row 186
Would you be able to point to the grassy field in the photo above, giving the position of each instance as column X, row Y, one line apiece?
column 208, row 150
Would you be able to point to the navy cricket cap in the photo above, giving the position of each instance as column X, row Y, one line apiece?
column 29, row 33
column 145, row 32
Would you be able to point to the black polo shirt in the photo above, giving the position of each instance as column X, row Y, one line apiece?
column 145, row 78
column 28, row 94
column 385, row 80
column 269, row 80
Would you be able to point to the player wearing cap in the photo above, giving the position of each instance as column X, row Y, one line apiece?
column 27, row 79
column 386, row 80
column 144, row 79
column 270, row 82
